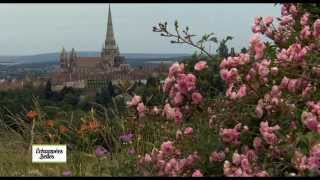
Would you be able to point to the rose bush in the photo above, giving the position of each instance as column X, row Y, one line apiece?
column 271, row 121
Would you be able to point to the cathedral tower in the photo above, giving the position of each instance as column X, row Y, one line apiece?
column 110, row 48
column 63, row 59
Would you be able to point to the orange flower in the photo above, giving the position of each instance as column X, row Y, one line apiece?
column 50, row 123
column 32, row 114
column 93, row 125
column 83, row 127
column 63, row 129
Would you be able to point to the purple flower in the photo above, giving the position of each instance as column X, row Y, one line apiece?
column 131, row 151
column 101, row 151
column 126, row 137
column 67, row 173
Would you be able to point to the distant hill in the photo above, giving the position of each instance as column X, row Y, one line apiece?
column 132, row 58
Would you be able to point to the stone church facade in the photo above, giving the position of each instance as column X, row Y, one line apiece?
column 95, row 72
column 74, row 68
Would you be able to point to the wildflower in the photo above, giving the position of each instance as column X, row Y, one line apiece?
column 67, row 173
column 200, row 65
column 63, row 129
column 131, row 151
column 50, row 123
column 126, row 137
column 32, row 115
column 93, row 125
column 100, row 151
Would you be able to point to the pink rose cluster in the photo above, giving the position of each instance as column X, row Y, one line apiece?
column 137, row 103
column 268, row 134
column 228, row 67
column 229, row 73
column 297, row 85
column 310, row 118
column 217, row 156
column 307, row 32
column 269, row 102
column 294, row 54
column 243, row 165
column 168, row 161
column 283, row 32
column 301, row 162
column 289, row 15
column 257, row 46
column 231, row 136
column 182, row 91
column 259, row 71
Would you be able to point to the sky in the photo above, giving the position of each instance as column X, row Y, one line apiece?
column 27, row 29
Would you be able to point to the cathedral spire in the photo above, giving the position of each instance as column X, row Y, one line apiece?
column 110, row 42
column 110, row 49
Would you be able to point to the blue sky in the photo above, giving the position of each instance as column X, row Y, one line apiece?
column 43, row 28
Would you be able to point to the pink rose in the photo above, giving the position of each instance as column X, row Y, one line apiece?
column 147, row 158
column 286, row 20
column 167, row 147
column 305, row 33
column 197, row 173
column 134, row 101
column 316, row 28
column 304, row 19
column 268, row 20
column 141, row 109
column 178, row 99
column 178, row 116
column 200, row 65
column 197, row 98
column 259, row 111
column 217, row 156
column 188, row 131
column 242, row 91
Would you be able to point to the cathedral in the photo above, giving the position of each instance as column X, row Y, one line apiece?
column 95, row 72
column 73, row 67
